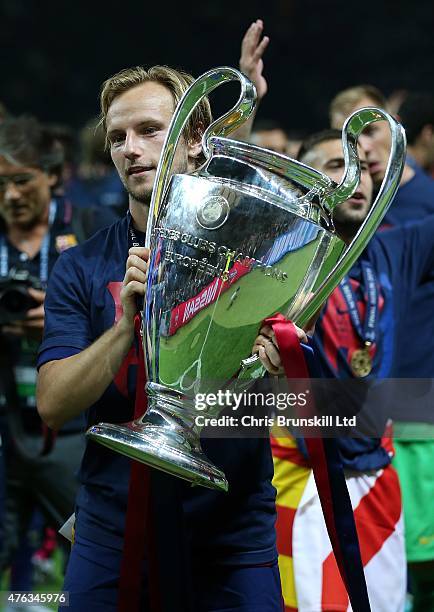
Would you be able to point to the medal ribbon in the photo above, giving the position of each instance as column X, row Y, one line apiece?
column 368, row 334
column 139, row 540
column 329, row 477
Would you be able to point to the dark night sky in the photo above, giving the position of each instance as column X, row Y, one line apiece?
column 56, row 54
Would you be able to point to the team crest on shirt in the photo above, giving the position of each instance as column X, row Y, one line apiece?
column 64, row 242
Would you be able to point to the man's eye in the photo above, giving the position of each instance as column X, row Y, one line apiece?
column 370, row 130
column 116, row 139
column 22, row 180
column 149, row 130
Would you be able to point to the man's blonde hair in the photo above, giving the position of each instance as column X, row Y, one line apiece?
column 342, row 105
column 176, row 81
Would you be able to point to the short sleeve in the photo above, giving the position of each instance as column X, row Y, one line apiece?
column 55, row 353
column 67, row 314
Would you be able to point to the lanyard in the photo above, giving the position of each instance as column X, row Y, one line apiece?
column 43, row 253
column 368, row 334
column 133, row 239
column 134, row 242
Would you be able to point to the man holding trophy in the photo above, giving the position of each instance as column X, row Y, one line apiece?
column 279, row 244
column 88, row 361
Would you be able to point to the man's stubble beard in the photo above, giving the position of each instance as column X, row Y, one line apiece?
column 347, row 226
column 346, row 230
column 143, row 197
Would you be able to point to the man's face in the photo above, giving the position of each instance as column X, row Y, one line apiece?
column 328, row 158
column 375, row 141
column 275, row 140
column 137, row 123
column 25, row 194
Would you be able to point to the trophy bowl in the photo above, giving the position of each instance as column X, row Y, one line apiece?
column 245, row 236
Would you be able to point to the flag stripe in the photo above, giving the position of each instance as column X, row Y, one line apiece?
column 334, row 594
column 290, row 454
column 384, row 495
column 284, row 523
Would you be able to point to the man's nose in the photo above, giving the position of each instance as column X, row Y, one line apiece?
column 132, row 147
column 11, row 192
column 365, row 142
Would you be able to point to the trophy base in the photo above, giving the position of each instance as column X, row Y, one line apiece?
column 155, row 446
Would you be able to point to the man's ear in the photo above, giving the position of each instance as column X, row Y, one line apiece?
column 194, row 149
column 52, row 180
column 426, row 134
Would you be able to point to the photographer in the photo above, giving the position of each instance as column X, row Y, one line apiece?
column 35, row 228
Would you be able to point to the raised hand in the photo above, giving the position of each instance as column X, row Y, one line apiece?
column 252, row 50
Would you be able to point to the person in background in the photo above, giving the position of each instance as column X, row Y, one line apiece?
column 35, row 227
column 96, row 171
column 295, row 138
column 395, row 99
column 414, row 444
column 375, row 139
column 354, row 340
column 90, row 215
column 416, row 114
column 65, row 137
column 269, row 135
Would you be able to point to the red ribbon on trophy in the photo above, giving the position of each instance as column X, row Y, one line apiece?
column 329, row 475
column 139, row 537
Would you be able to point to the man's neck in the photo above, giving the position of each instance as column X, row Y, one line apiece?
column 139, row 213
column 28, row 239
column 417, row 154
column 407, row 174
column 347, row 231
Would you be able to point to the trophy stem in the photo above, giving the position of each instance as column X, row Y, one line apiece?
column 166, row 438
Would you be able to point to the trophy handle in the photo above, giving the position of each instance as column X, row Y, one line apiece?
column 352, row 129
column 221, row 127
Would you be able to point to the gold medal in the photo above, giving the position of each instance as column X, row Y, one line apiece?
column 361, row 361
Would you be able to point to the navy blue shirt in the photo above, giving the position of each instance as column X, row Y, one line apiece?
column 22, row 352
column 402, row 259
column 415, row 340
column 83, row 301
column 413, row 201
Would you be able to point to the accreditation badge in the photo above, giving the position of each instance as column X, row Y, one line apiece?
column 25, row 379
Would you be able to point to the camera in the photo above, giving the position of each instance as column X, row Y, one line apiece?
column 15, row 300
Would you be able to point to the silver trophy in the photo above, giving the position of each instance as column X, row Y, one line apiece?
column 248, row 234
